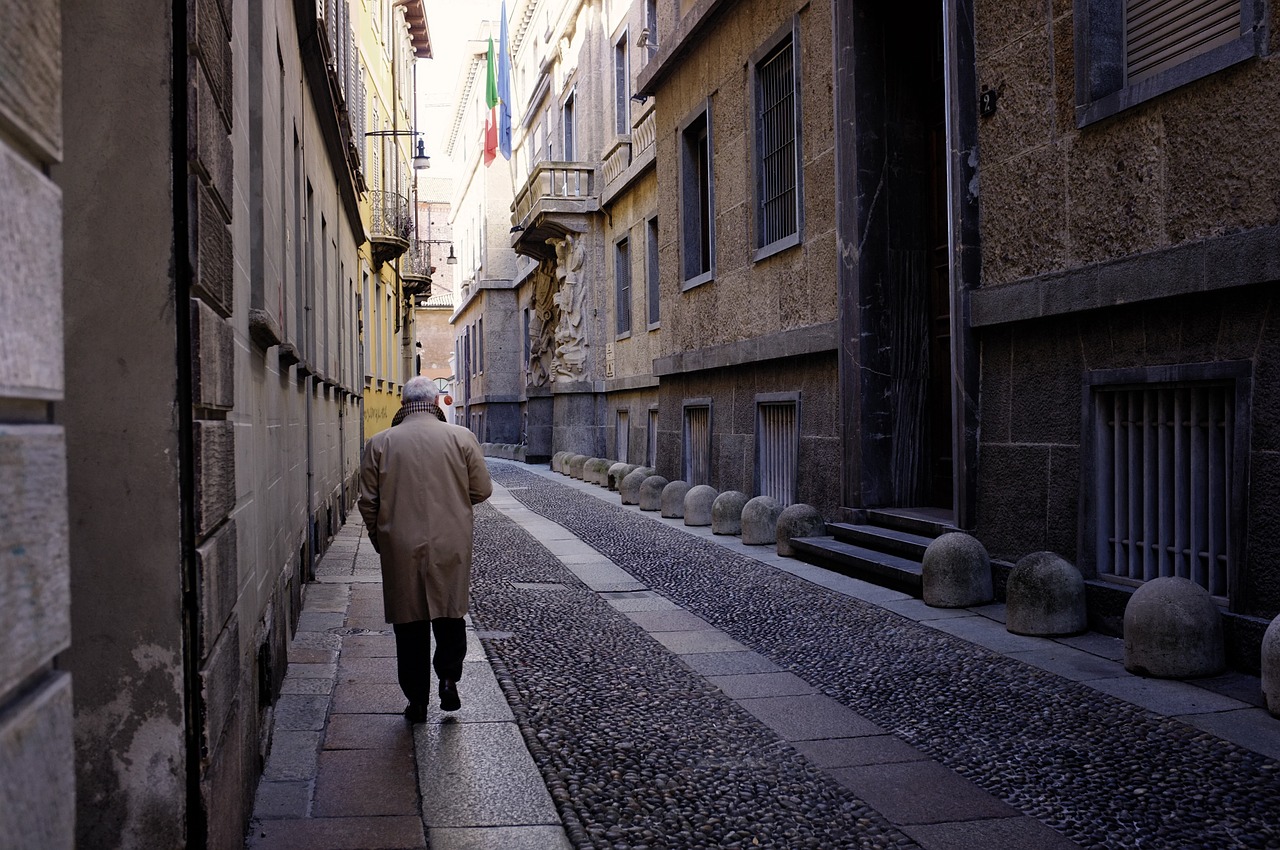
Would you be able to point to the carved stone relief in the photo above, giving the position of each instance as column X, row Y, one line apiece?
column 570, row 342
column 542, row 324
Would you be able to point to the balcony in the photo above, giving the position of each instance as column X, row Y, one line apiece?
column 390, row 226
column 415, row 268
column 557, row 199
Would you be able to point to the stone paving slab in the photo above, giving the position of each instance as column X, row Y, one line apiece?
column 293, row 755
column 283, row 799
column 311, row 687
column 858, row 752
column 669, row 621
column 297, row 712
column 386, row 785
column 466, row 777
column 1017, row 833
column 627, row 603
column 368, row 732
column 1104, row 646
column 729, row 663
column 809, row 718
column 367, row 698
column 697, row 642
column 921, row 792
column 756, row 685
column 311, row 671
column 915, row 609
column 304, row 655
column 364, row 669
column 988, row 633
column 482, row 698
column 369, row 646
column 361, row 833
column 1069, row 663
column 500, row 838
column 319, row 621
column 1166, row 696
column 1253, row 728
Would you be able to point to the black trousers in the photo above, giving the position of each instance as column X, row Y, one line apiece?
column 413, row 653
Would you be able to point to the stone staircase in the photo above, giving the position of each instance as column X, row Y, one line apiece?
column 885, row 549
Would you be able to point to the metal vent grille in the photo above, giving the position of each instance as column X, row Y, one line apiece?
column 777, row 450
column 1162, row 33
column 697, row 445
column 1164, row 484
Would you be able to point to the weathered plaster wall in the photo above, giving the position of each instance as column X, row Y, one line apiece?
column 122, row 438
column 1187, row 165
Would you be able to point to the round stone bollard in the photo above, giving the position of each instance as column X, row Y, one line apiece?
column 1173, row 630
column 595, row 470
column 726, row 512
column 557, row 462
column 629, row 489
column 798, row 520
column 651, row 492
column 576, row 464
column 1045, row 596
column 617, row 472
column 697, row 504
column 956, row 572
column 672, row 500
column 1271, row 667
column 760, row 521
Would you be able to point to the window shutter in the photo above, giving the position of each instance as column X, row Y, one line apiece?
column 1162, row 33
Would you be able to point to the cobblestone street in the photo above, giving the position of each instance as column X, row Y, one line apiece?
column 679, row 690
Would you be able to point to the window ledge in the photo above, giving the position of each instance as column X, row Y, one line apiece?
column 695, row 282
column 777, row 247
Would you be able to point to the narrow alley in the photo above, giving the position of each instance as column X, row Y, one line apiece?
column 635, row 683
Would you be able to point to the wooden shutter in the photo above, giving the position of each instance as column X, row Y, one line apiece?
column 1160, row 34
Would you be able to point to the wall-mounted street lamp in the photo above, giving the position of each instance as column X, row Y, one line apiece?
column 451, row 259
column 420, row 159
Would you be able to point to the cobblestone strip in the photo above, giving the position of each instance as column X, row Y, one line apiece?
column 1101, row 771
column 637, row 750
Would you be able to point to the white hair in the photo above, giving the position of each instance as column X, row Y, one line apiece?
column 420, row 388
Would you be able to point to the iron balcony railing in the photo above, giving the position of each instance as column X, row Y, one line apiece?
column 390, row 225
column 416, row 263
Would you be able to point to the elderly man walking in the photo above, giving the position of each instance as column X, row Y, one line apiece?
column 418, row 482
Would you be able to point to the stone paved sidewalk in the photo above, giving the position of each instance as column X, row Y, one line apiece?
column 347, row 771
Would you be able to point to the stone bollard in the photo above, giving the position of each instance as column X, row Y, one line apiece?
column 760, row 521
column 799, row 520
column 576, row 464
column 617, row 472
column 697, row 504
column 1173, row 630
column 956, row 572
column 726, row 512
column 629, row 489
column 595, row 470
column 1045, row 596
column 557, row 461
column 1271, row 667
column 651, row 493
column 672, row 500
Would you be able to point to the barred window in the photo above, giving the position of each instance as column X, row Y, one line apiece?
column 622, row 285
column 622, row 436
column 777, row 449
column 777, row 166
column 651, row 271
column 697, row 443
column 651, row 439
column 697, row 201
column 1167, row 481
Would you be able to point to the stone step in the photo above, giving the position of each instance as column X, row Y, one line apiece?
column 860, row 562
column 904, row 544
column 928, row 522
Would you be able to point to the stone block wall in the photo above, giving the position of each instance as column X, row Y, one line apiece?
column 37, row 777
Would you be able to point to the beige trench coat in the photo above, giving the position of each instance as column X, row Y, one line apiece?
column 418, row 481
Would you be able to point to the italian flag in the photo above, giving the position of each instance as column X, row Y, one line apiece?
column 491, row 100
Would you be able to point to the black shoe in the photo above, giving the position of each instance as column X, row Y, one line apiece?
column 449, row 700
column 416, row 712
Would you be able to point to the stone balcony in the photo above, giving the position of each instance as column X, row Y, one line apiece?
column 557, row 199
column 390, row 225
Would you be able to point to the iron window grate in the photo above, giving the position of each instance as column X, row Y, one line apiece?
column 1165, row 482
column 777, row 450
column 697, row 444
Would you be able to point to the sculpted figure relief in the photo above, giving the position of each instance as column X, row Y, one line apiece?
column 542, row 324
column 570, row 345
